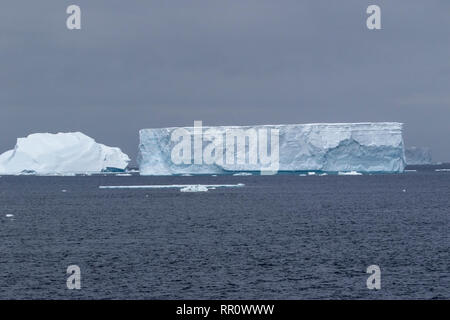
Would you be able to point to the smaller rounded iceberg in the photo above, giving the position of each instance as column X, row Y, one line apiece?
column 61, row 153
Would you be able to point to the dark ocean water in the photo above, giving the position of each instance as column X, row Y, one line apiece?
column 279, row 237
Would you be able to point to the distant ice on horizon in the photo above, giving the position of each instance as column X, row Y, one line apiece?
column 418, row 156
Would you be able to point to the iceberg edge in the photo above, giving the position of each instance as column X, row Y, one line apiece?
column 369, row 147
column 61, row 154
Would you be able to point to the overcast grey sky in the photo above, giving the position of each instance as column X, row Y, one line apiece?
column 140, row 64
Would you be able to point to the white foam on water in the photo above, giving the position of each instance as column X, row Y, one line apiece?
column 243, row 174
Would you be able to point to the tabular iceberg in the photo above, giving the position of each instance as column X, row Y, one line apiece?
column 328, row 147
column 418, row 155
column 61, row 153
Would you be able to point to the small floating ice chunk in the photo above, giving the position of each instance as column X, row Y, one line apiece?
column 349, row 173
column 404, row 190
column 243, row 174
column 442, row 170
column 123, row 175
column 311, row 173
column 63, row 190
column 9, row 215
column 194, row 188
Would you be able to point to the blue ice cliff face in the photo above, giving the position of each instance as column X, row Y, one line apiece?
column 328, row 147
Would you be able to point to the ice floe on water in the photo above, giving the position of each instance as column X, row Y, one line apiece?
column 194, row 188
column 442, row 170
column 349, row 173
column 243, row 174
column 174, row 186
column 9, row 215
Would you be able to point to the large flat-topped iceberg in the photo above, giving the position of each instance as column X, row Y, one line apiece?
column 61, row 153
column 329, row 147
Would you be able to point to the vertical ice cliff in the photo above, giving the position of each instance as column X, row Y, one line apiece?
column 73, row 152
column 330, row 147
column 418, row 155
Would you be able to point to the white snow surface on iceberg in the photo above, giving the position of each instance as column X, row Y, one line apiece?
column 62, row 153
column 329, row 147
column 418, row 155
